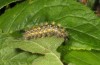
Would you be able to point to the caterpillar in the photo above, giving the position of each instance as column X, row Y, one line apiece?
column 45, row 30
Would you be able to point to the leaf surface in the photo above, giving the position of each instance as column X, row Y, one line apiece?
column 5, row 2
column 83, row 57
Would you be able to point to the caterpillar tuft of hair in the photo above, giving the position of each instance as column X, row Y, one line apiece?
column 45, row 30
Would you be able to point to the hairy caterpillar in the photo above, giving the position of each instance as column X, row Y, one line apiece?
column 45, row 30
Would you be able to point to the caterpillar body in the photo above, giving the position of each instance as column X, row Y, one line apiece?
column 45, row 30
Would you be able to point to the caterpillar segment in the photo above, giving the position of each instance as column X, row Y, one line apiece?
column 45, row 30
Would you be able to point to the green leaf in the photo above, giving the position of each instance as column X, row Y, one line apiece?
column 46, row 46
column 41, row 45
column 36, row 11
column 5, row 2
column 17, row 51
column 10, row 55
column 83, row 57
column 70, row 14
column 85, row 36
column 48, row 59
